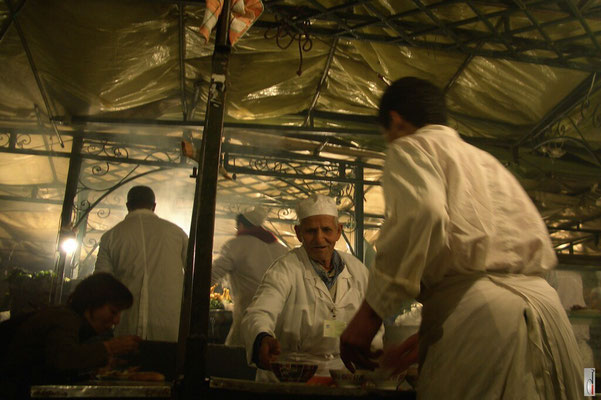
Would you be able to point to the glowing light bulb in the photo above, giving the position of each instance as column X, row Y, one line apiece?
column 69, row 245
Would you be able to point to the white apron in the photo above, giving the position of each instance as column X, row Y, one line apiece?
column 511, row 327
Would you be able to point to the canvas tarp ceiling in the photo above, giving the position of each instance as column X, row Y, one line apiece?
column 121, row 60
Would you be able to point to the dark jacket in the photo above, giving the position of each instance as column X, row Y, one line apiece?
column 51, row 345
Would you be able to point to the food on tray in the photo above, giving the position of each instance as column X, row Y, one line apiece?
column 147, row 376
column 130, row 374
column 219, row 300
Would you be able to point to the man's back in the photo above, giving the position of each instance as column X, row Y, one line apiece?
column 245, row 258
column 488, row 221
column 148, row 255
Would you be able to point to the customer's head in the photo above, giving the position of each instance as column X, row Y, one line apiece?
column 100, row 299
column 409, row 104
column 140, row 197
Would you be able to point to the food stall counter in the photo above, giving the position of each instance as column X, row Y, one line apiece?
column 104, row 389
column 243, row 389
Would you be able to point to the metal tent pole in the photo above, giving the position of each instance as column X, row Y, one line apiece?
column 195, row 304
column 359, row 221
column 66, row 215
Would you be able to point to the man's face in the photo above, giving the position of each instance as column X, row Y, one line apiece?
column 319, row 235
column 103, row 318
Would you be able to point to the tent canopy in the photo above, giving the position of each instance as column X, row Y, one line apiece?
column 131, row 79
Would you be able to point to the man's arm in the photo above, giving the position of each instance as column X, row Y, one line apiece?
column 415, row 230
column 224, row 264
column 413, row 234
column 103, row 259
column 262, row 314
column 64, row 352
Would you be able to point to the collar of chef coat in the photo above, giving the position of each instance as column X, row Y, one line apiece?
column 329, row 277
column 140, row 211
column 311, row 275
column 431, row 130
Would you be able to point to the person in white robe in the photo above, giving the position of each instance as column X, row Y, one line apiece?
column 147, row 254
column 244, row 259
column 306, row 297
column 463, row 237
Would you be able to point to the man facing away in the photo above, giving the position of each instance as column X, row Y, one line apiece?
column 246, row 258
column 148, row 255
column 462, row 233
column 306, row 297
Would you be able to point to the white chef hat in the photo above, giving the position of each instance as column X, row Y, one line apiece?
column 255, row 215
column 317, row 204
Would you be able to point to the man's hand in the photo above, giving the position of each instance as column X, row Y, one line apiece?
column 122, row 344
column 399, row 358
column 188, row 149
column 268, row 352
column 356, row 339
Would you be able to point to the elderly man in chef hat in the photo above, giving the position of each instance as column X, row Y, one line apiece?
column 244, row 259
column 306, row 297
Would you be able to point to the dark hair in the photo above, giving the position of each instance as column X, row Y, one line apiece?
column 242, row 220
column 97, row 290
column 140, row 197
column 416, row 100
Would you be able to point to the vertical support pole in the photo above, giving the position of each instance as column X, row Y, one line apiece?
column 195, row 305
column 82, row 216
column 66, row 215
column 359, row 194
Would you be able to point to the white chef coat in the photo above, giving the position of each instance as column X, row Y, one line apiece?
column 245, row 258
column 292, row 303
column 459, row 224
column 148, row 255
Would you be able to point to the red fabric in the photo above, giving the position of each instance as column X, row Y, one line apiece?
column 243, row 14
column 258, row 232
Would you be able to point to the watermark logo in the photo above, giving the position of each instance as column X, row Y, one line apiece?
column 589, row 381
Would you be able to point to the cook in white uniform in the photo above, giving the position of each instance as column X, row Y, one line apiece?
column 148, row 255
column 462, row 233
column 246, row 258
column 306, row 297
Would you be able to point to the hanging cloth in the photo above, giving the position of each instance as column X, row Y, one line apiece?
column 243, row 14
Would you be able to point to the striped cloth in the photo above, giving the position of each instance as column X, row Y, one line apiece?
column 243, row 14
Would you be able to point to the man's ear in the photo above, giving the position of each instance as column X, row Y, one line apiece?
column 298, row 233
column 396, row 121
column 154, row 206
column 339, row 231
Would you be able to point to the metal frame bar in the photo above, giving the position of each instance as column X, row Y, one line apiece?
column 490, row 27
column 560, row 110
column 322, row 80
column 33, row 68
column 391, row 24
column 195, row 305
column 182, row 57
column 66, row 218
column 9, row 20
column 409, row 31
column 539, row 28
column 574, row 9
column 359, row 214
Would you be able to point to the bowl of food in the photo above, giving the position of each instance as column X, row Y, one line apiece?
column 346, row 379
column 287, row 371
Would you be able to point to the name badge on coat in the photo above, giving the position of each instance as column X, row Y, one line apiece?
column 333, row 328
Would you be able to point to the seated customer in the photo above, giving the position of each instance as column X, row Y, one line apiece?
column 57, row 344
